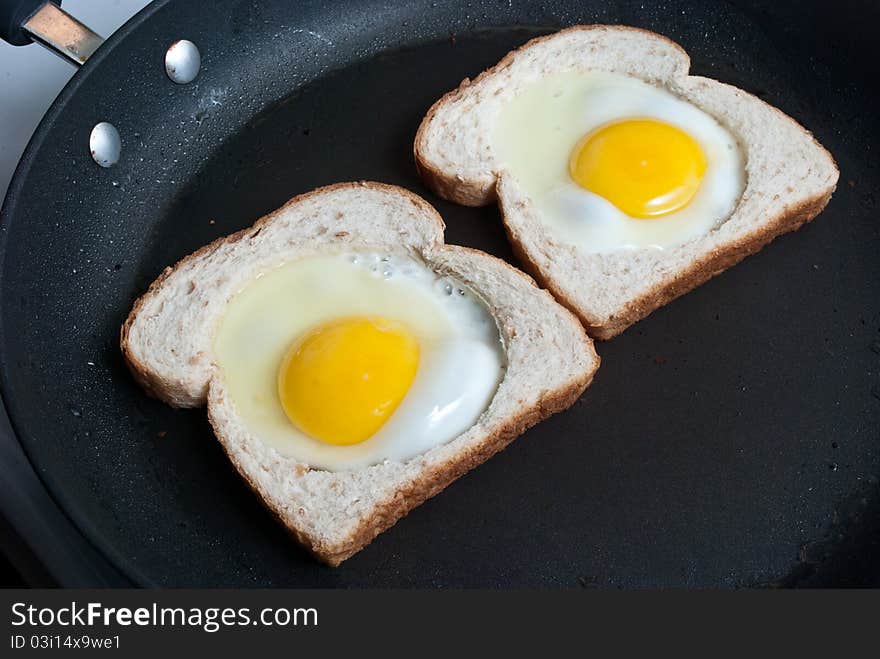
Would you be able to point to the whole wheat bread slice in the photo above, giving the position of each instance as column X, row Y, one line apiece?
column 790, row 176
column 167, row 342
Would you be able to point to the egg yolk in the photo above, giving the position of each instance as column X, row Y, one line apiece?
column 342, row 380
column 646, row 168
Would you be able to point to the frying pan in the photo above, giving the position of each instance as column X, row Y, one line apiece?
column 730, row 439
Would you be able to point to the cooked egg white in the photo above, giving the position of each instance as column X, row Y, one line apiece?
column 638, row 131
column 347, row 360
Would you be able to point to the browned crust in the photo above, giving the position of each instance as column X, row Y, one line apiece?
column 450, row 185
column 151, row 382
column 432, row 482
column 469, row 193
column 697, row 273
column 427, row 483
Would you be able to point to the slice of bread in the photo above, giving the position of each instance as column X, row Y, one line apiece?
column 790, row 177
column 167, row 341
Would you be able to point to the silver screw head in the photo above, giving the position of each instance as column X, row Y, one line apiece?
column 182, row 61
column 105, row 144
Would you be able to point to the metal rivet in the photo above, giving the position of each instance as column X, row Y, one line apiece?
column 105, row 144
column 182, row 61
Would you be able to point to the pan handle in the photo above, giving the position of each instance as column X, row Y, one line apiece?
column 26, row 21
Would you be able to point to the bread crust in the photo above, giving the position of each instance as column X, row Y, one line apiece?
column 479, row 192
column 429, row 482
column 698, row 272
column 426, row 482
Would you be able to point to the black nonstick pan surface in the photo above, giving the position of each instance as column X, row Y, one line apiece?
column 730, row 439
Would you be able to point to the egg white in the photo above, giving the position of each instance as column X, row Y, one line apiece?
column 461, row 358
column 538, row 129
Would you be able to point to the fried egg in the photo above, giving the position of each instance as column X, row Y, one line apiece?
column 347, row 360
column 612, row 162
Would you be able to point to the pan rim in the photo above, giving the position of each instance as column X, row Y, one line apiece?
column 98, row 541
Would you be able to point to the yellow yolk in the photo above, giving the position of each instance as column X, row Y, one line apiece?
column 644, row 167
column 342, row 380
